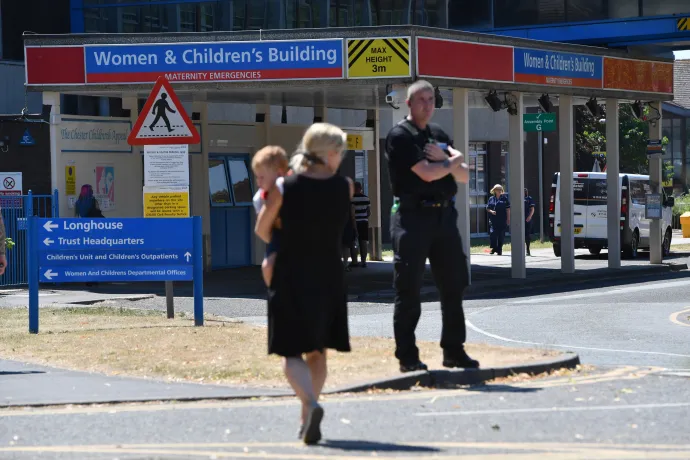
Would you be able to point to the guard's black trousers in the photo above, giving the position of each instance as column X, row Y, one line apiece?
column 418, row 234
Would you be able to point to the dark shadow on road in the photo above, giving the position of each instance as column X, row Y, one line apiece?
column 364, row 446
column 20, row 372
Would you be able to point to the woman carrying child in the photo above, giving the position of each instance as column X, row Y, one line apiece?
column 307, row 299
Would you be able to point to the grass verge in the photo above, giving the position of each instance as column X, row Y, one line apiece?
column 145, row 343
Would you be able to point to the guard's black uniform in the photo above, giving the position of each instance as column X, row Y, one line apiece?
column 424, row 225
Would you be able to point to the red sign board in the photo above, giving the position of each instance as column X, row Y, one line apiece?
column 163, row 120
column 634, row 75
column 463, row 60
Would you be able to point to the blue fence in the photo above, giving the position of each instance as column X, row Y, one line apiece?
column 15, row 210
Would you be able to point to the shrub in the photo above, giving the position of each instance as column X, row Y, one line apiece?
column 682, row 205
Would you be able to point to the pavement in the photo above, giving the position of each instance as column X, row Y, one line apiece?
column 491, row 278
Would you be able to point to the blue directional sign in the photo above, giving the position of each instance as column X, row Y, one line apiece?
column 92, row 250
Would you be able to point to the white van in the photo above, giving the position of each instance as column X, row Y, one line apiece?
column 589, row 189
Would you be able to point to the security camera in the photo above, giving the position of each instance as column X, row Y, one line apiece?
column 392, row 97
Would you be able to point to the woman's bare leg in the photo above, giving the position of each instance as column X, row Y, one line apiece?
column 319, row 370
column 300, row 379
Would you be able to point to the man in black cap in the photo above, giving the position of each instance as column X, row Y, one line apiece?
column 423, row 168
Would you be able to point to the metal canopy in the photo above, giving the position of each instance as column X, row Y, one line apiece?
column 345, row 93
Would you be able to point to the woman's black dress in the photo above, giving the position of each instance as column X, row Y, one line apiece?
column 307, row 299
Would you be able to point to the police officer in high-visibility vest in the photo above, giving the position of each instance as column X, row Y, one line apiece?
column 423, row 169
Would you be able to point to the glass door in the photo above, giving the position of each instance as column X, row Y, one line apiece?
column 478, row 189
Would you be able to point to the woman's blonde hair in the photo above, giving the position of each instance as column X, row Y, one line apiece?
column 317, row 142
column 497, row 186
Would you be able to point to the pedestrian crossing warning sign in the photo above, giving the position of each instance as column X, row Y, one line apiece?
column 378, row 57
column 163, row 120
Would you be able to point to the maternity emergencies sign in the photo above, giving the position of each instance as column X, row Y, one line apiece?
column 163, row 120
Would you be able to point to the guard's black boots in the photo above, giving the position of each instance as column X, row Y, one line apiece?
column 459, row 359
column 412, row 367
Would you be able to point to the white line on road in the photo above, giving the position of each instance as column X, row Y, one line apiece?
column 505, row 339
column 626, row 290
column 554, row 409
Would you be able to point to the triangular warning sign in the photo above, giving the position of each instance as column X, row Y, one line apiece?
column 163, row 120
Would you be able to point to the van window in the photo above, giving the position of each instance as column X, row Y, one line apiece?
column 597, row 190
column 587, row 191
column 580, row 190
column 638, row 192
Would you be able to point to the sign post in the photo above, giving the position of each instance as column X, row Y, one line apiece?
column 165, row 130
column 538, row 122
column 110, row 250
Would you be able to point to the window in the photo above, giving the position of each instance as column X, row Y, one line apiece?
column 509, row 13
column 623, row 9
column 638, row 194
column 586, row 10
column 218, row 182
column 657, row 7
column 469, row 14
column 229, row 181
column 241, row 184
column 429, row 13
column 391, row 12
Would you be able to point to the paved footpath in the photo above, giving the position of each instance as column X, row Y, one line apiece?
column 30, row 384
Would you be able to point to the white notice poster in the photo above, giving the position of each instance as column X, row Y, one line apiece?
column 166, row 165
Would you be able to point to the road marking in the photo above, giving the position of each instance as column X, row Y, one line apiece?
column 530, row 410
column 627, row 290
column 674, row 318
column 520, row 450
column 575, row 347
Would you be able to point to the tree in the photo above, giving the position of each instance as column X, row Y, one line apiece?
column 590, row 137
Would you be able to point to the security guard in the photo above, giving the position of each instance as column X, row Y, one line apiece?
column 423, row 170
column 529, row 214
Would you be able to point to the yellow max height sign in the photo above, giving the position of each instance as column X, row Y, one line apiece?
column 166, row 202
column 378, row 57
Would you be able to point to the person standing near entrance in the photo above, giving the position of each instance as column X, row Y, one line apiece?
column 423, row 170
column 498, row 208
column 529, row 214
column 362, row 207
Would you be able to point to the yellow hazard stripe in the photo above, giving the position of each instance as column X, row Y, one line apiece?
column 683, row 24
column 358, row 50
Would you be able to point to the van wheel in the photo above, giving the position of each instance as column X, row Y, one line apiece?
column 595, row 250
column 666, row 245
column 557, row 249
column 630, row 251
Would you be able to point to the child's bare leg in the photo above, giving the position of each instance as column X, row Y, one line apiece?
column 267, row 268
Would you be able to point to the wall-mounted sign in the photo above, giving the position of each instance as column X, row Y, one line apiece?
column 378, row 57
column 557, row 69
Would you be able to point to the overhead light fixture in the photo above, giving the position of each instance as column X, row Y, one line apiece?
column 494, row 101
column 637, row 108
column 545, row 103
column 593, row 106
column 438, row 99
column 511, row 106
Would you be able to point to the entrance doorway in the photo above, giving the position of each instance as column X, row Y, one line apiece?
column 231, row 192
column 478, row 189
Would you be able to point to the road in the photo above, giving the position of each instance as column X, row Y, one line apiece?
column 634, row 402
column 625, row 412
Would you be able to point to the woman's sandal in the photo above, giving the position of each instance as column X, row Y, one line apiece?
column 311, row 433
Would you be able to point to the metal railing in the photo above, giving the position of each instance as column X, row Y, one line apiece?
column 15, row 210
